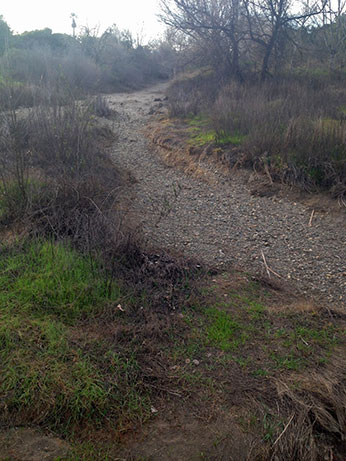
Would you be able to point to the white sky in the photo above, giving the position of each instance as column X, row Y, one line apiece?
column 136, row 15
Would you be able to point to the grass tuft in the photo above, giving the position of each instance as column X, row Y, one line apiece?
column 49, row 377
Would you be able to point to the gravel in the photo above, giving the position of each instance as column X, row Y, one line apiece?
column 223, row 224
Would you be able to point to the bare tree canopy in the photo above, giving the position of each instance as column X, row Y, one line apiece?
column 232, row 30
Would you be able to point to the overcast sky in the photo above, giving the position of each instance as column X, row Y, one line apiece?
column 23, row 15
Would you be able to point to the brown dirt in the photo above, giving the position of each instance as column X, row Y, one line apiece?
column 25, row 444
column 178, row 435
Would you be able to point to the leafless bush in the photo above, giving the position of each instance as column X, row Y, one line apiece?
column 60, row 139
column 101, row 107
column 192, row 93
column 14, row 95
column 58, row 181
column 298, row 131
column 40, row 67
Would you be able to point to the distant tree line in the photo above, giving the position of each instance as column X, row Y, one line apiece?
column 88, row 62
column 263, row 37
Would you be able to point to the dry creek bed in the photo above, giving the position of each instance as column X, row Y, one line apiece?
column 223, row 224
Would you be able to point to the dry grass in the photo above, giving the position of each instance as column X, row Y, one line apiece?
column 170, row 142
column 317, row 427
column 293, row 130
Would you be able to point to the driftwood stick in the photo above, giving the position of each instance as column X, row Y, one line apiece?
column 311, row 218
column 268, row 269
column 266, row 169
column 265, row 263
column 275, row 273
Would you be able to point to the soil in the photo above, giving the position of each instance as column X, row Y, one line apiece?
column 25, row 444
column 220, row 219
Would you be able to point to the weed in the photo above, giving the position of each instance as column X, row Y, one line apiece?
column 288, row 362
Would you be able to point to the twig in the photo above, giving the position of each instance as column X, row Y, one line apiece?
column 265, row 263
column 177, row 394
column 266, row 169
column 275, row 273
column 285, row 429
column 311, row 218
column 268, row 269
column 304, row 341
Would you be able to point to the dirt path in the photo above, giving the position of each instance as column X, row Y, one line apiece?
column 223, row 223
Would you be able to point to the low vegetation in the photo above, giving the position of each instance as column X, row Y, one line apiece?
column 78, row 357
column 35, row 64
column 49, row 376
column 268, row 77
column 292, row 128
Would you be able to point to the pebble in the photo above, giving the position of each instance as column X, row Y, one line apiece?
column 224, row 224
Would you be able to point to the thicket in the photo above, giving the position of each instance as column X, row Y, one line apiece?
column 69, row 260
column 270, row 80
column 41, row 61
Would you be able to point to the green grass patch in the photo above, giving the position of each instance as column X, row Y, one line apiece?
column 201, row 134
column 222, row 138
column 224, row 331
column 48, row 375
column 48, row 279
column 235, row 326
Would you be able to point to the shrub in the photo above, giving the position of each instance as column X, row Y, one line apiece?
column 59, row 182
column 101, row 107
column 192, row 93
column 295, row 129
column 298, row 130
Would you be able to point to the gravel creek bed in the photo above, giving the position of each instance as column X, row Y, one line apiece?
column 223, row 224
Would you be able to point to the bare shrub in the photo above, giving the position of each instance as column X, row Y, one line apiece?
column 192, row 93
column 61, row 138
column 296, row 130
column 39, row 66
column 59, row 182
column 101, row 107
column 14, row 95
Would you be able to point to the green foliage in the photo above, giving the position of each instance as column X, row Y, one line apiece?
column 236, row 327
column 47, row 377
column 53, row 279
column 89, row 63
column 201, row 134
column 224, row 331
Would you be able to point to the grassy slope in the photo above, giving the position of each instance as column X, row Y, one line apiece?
column 75, row 363
column 50, row 377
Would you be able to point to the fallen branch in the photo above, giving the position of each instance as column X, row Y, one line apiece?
column 311, row 218
column 265, row 263
column 275, row 273
column 268, row 269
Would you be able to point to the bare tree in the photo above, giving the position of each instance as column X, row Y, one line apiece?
column 217, row 23
column 333, row 32
column 270, row 20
